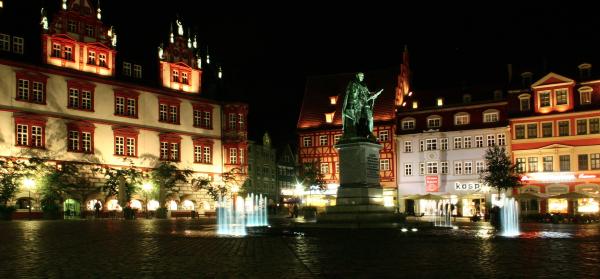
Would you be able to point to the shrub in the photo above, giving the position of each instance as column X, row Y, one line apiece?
column 6, row 212
column 161, row 212
column 129, row 213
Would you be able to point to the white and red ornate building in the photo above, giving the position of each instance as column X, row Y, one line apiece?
column 555, row 140
column 75, row 106
column 320, row 123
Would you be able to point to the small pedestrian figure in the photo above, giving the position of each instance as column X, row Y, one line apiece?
column 97, row 209
column 295, row 211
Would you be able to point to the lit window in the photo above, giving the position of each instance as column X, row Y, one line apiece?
column 323, row 140
column 489, row 117
column 17, row 45
column 408, row 124
column 383, row 135
column 102, row 60
column 561, row 97
column 461, row 119
column 440, row 102
column 545, row 99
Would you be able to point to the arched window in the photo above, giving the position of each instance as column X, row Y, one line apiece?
column 434, row 121
column 525, row 102
column 491, row 115
column 461, row 118
column 408, row 123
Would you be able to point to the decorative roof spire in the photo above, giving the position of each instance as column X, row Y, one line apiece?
column 195, row 43
column 99, row 11
column 189, row 41
column 220, row 74
column 207, row 56
column 171, row 36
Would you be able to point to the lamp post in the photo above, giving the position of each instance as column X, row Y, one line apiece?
column 29, row 184
column 147, row 187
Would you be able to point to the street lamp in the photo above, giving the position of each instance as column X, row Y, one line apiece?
column 147, row 187
column 29, row 184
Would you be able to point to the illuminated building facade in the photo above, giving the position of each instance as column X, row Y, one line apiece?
column 555, row 141
column 75, row 106
column 441, row 149
column 320, row 123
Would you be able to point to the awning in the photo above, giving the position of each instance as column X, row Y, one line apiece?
column 573, row 196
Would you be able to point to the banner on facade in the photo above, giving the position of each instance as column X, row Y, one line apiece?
column 432, row 183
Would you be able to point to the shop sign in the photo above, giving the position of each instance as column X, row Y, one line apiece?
column 555, row 177
column 432, row 183
column 469, row 186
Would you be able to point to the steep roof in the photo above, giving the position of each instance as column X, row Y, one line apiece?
column 319, row 89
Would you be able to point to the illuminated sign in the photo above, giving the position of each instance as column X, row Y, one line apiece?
column 469, row 186
column 555, row 177
column 432, row 183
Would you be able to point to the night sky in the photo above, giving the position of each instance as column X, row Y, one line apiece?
column 268, row 50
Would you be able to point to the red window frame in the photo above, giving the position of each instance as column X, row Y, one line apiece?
column 81, row 127
column 31, row 77
column 170, row 138
column 126, row 94
column 63, row 43
column 169, row 103
column 125, row 132
column 29, row 121
column 202, row 143
column 238, row 113
column 80, row 86
column 203, row 108
column 238, row 147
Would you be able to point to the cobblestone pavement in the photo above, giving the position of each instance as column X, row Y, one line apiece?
column 190, row 249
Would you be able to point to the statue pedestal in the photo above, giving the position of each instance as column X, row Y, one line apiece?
column 360, row 196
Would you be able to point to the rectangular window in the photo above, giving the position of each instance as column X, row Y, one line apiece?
column 581, row 126
column 86, row 140
column 585, row 97
column 131, row 107
column 532, row 164
column 478, row 141
column 4, row 42
column 164, row 150
column 595, row 161
column 384, row 164
column 174, row 151
column 197, row 154
column 120, row 145
column 532, row 131
column 524, row 104
column 323, row 140
column 56, row 50
column 73, row 141
column 501, row 139
column 563, row 128
column 582, row 160
column 408, row 124
column 565, row 162
column 36, row 136
column 91, row 58
column 137, row 71
column 468, row 167
column 175, row 76
column 467, row 142
column 432, row 167
column 457, row 168
column 490, row 117
column 86, row 100
column 127, row 69
column 408, row 170
column 384, row 136
column 37, row 92
column 233, row 155
column 120, row 105
column 337, row 138
column 72, row 26
column 408, row 146
column 306, row 142
column 232, row 121
column 73, row 98
column 207, row 120
column 545, row 99
column 444, row 143
column 163, row 114
column 421, row 145
column 241, row 155
column 130, row 147
column 90, row 30
column 324, row 168
column 457, row 143
column 520, row 168
column 173, row 114
column 434, row 122
column 18, row 45
column 23, row 89
column 547, row 129
column 421, row 168
column 491, row 140
column 68, row 53
column 548, row 163
column 462, row 119
column 594, row 125
column 444, row 167
column 22, row 135
column 197, row 118
column 337, row 167
column 102, row 60
column 431, row 144
column 519, row 131
column 184, row 77
column 479, row 167
column 207, row 155
column 561, row 97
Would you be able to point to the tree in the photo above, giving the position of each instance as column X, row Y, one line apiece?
column 122, row 182
column 311, row 176
column 65, row 180
column 217, row 190
column 500, row 172
column 11, row 174
column 166, row 176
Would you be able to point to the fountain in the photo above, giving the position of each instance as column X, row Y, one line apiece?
column 443, row 217
column 509, row 217
column 232, row 219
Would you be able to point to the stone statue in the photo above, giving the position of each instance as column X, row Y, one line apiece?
column 44, row 22
column 160, row 51
column 179, row 28
column 357, row 111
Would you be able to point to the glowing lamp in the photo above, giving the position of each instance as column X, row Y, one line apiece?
column 29, row 183
column 147, row 186
column 415, row 105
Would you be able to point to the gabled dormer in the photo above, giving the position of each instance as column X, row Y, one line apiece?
column 77, row 39
column 553, row 93
column 180, row 62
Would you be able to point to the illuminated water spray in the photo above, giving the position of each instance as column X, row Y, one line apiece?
column 234, row 217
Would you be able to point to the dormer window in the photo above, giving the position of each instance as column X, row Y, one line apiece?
column 585, row 95
column 440, row 102
column 127, row 69
column 466, row 98
column 526, row 78
column 524, row 102
column 91, row 58
column 329, row 117
column 90, row 31
column 434, row 122
column 585, row 70
column 415, row 105
column 184, row 78
column 68, row 52
column 56, row 49
column 72, row 25
column 545, row 99
column 408, row 124
column 102, row 60
column 561, row 97
column 137, row 71
column 461, row 118
column 491, row 116
column 175, row 76
column 333, row 100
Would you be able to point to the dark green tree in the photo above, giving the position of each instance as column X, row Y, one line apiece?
column 166, row 176
column 500, row 173
column 122, row 182
column 311, row 176
column 216, row 190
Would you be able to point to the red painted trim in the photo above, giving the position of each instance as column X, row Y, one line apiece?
column 81, row 86
column 125, row 132
column 30, row 120
column 31, row 77
column 126, row 94
column 170, row 103
column 170, row 138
